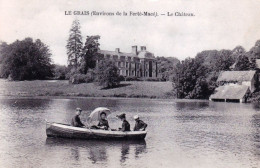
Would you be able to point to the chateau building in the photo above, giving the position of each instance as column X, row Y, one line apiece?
column 139, row 63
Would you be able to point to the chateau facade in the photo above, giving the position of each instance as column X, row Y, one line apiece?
column 139, row 63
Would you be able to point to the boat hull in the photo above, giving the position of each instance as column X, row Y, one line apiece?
column 67, row 131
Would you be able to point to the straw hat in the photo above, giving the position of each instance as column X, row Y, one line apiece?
column 136, row 117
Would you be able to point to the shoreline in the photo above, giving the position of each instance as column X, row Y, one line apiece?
column 118, row 98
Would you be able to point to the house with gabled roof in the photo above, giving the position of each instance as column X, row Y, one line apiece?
column 235, row 86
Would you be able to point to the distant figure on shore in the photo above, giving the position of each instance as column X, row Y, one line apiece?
column 139, row 124
column 103, row 123
column 125, row 124
column 76, row 122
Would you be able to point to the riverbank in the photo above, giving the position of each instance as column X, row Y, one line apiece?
column 128, row 89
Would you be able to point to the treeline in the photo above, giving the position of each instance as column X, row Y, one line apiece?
column 195, row 78
column 25, row 60
column 29, row 60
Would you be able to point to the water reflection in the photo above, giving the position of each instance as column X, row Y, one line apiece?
column 98, row 150
column 185, row 106
column 226, row 134
column 256, row 135
column 124, row 152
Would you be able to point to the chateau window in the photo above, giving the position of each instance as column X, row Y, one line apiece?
column 115, row 57
column 126, row 64
column 126, row 72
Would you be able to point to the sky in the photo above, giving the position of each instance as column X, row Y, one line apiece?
column 217, row 24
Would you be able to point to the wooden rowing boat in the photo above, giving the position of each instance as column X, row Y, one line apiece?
column 67, row 131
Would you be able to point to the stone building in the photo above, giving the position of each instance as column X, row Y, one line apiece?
column 139, row 63
column 235, row 86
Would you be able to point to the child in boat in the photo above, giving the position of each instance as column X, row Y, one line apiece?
column 76, row 122
column 139, row 124
column 103, row 123
column 125, row 124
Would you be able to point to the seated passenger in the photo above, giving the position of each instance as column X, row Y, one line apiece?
column 125, row 124
column 139, row 124
column 103, row 123
column 76, row 120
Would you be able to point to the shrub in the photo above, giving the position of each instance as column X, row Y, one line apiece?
column 132, row 78
column 121, row 78
column 120, row 95
column 80, row 78
column 77, row 79
column 71, row 72
column 153, row 79
column 60, row 72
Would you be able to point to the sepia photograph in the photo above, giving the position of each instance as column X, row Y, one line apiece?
column 115, row 83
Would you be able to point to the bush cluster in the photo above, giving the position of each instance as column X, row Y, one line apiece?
column 78, row 78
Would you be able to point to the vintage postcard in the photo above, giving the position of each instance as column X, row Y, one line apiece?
column 130, row 83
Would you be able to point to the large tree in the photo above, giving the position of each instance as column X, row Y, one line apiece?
column 196, row 77
column 107, row 74
column 243, row 63
column 26, row 60
column 237, row 51
column 188, row 75
column 89, row 53
column 166, row 66
column 74, row 45
column 254, row 52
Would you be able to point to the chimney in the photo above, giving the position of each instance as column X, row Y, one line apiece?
column 143, row 48
column 134, row 50
column 118, row 50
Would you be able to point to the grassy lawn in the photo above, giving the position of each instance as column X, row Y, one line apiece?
column 63, row 88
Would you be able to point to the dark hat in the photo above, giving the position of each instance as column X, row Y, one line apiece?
column 78, row 109
column 121, row 116
column 103, row 113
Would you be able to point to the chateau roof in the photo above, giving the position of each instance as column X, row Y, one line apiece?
column 236, row 76
column 232, row 91
column 117, row 53
column 145, row 54
column 140, row 54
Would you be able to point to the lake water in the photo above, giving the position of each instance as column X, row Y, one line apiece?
column 180, row 134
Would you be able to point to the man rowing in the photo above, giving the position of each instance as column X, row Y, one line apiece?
column 139, row 124
column 76, row 122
